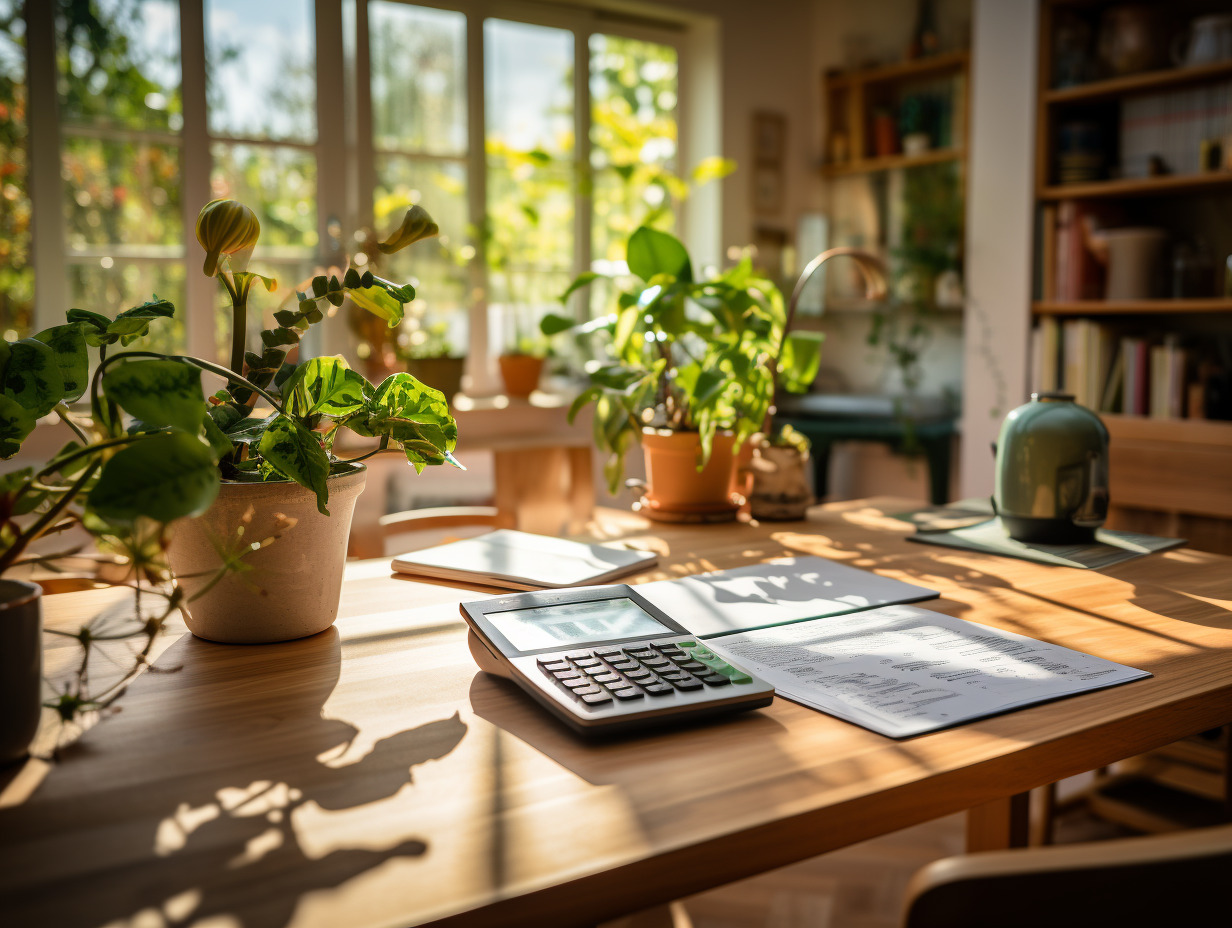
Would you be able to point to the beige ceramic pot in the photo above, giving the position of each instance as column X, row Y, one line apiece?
column 21, row 667
column 781, row 490
column 673, row 481
column 521, row 373
column 294, row 583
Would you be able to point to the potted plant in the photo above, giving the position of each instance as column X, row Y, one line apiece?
column 122, row 489
column 780, row 488
column 690, row 377
column 270, row 433
column 521, row 364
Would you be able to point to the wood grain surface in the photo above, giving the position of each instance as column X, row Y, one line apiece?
column 371, row 776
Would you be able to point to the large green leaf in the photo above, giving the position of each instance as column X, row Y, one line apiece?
column 554, row 324
column 653, row 252
column 16, row 422
column 800, row 361
column 69, row 344
column 158, row 392
column 32, row 376
column 417, row 417
column 324, row 386
column 298, row 455
column 586, row 277
column 164, row 477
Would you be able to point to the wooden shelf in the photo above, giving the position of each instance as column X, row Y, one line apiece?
column 1129, row 307
column 1184, row 431
column 917, row 68
column 892, row 162
column 1138, row 83
column 1138, row 186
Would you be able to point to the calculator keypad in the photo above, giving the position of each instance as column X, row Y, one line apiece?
column 599, row 677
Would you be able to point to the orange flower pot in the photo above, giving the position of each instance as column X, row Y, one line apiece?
column 673, row 482
column 521, row 373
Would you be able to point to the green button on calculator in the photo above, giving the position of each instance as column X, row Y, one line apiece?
column 629, row 655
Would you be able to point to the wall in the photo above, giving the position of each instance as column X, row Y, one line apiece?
column 1000, row 219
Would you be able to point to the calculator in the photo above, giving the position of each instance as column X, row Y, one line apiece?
column 605, row 660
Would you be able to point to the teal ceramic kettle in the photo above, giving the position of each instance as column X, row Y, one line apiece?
column 1052, row 471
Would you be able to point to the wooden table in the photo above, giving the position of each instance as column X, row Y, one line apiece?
column 370, row 776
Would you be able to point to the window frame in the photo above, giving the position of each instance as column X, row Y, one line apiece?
column 346, row 159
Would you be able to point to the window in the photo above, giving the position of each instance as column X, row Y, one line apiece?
column 118, row 63
column 538, row 137
column 16, row 271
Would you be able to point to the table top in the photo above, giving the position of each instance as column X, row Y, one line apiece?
column 371, row 776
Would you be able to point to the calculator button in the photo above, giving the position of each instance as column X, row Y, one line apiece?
column 686, row 644
column 624, row 665
column 641, row 653
column 739, row 677
column 607, row 652
column 640, row 675
column 715, row 679
column 693, row 665
column 596, row 698
column 563, row 675
column 553, row 663
column 577, row 683
column 587, row 690
column 690, row 684
column 657, row 689
column 586, row 662
column 608, row 678
column 597, row 670
column 656, row 663
column 675, row 675
column 627, row 693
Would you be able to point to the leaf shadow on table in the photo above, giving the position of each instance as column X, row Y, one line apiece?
column 242, row 749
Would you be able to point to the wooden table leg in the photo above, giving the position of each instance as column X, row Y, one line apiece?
column 1000, row 824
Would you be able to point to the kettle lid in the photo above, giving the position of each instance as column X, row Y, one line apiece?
column 1052, row 396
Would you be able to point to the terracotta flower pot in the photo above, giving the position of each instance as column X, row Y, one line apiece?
column 293, row 584
column 521, row 373
column 781, row 488
column 444, row 374
column 21, row 667
column 673, row 481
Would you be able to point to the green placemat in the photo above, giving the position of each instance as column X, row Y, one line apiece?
column 1108, row 548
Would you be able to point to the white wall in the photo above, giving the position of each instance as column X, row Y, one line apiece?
column 1000, row 218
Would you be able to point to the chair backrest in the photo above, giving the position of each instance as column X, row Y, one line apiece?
column 423, row 528
column 1175, row 879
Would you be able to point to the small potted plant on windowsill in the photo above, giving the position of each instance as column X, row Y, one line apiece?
column 691, row 376
column 521, row 364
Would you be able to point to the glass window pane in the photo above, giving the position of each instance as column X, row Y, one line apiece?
column 529, row 238
column 119, row 63
column 633, row 134
column 120, row 192
column 110, row 286
column 290, row 275
column 418, row 78
column 528, row 87
column 437, row 267
column 261, row 59
column 280, row 185
column 16, row 273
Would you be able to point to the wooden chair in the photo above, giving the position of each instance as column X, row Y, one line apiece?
column 1175, row 879
column 423, row 528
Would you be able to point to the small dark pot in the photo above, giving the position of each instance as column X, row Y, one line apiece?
column 444, row 374
column 21, row 667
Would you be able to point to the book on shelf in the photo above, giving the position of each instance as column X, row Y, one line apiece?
column 1126, row 374
column 1171, row 127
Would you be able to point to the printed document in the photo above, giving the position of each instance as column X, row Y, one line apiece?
column 903, row 671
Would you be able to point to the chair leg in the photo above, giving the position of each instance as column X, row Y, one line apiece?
column 1045, row 818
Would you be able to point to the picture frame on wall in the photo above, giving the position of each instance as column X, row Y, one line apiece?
column 769, row 137
column 767, row 189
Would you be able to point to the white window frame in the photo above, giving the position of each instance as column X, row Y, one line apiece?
column 346, row 172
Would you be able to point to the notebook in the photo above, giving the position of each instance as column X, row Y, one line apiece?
column 778, row 592
column 522, row 561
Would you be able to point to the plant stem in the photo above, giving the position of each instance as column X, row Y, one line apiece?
column 239, row 323
column 45, row 520
column 66, row 417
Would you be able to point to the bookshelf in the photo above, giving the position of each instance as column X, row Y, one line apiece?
column 1100, row 146
column 854, row 97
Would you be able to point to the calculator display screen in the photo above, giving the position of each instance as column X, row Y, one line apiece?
column 570, row 624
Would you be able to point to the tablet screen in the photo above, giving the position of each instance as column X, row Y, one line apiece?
column 568, row 624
